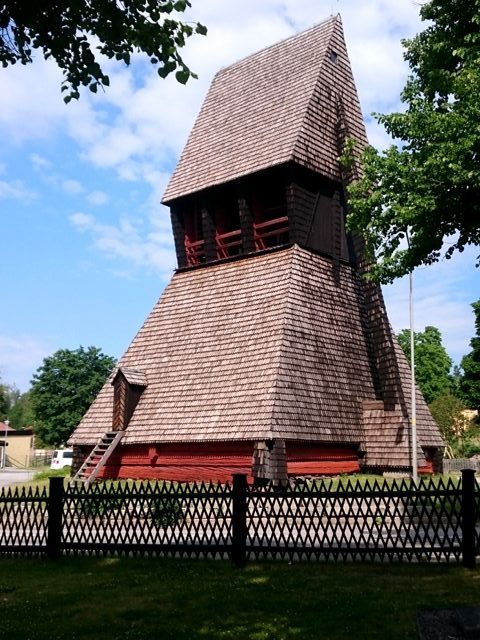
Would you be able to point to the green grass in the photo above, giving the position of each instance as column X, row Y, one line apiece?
column 139, row 598
column 360, row 479
column 46, row 473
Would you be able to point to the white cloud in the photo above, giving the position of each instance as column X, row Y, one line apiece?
column 19, row 356
column 129, row 241
column 72, row 187
column 31, row 107
column 442, row 295
column 97, row 198
column 39, row 162
column 16, row 190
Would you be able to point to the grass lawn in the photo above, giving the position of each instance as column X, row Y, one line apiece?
column 138, row 598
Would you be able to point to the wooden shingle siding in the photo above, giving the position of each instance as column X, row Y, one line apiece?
column 178, row 229
column 287, row 360
column 119, row 403
column 316, row 215
column 128, row 385
column 208, row 227
column 246, row 224
column 302, row 211
column 269, row 461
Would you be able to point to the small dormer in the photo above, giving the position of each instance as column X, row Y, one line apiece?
column 128, row 386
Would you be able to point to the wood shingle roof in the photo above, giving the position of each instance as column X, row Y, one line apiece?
column 276, row 106
column 227, row 359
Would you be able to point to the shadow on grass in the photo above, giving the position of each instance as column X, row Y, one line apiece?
column 139, row 598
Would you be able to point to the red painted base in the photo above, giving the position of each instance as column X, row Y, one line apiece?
column 218, row 461
column 317, row 459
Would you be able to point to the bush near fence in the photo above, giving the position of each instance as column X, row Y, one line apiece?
column 395, row 520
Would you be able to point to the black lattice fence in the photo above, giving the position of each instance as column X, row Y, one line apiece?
column 23, row 520
column 155, row 518
column 346, row 521
column 437, row 520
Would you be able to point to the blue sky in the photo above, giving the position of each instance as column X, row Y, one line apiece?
column 86, row 245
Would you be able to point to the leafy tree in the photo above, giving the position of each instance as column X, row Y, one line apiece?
column 428, row 188
column 432, row 363
column 8, row 397
column 4, row 403
column 470, row 381
column 447, row 413
column 456, row 378
column 21, row 413
column 64, row 387
column 74, row 32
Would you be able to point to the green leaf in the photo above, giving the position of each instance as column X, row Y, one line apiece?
column 120, row 28
column 182, row 76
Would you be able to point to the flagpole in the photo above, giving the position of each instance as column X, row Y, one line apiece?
column 414, row 399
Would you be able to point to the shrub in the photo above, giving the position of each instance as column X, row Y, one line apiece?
column 166, row 511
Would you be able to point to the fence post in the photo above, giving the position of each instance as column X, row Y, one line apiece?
column 55, row 513
column 468, row 518
column 239, row 519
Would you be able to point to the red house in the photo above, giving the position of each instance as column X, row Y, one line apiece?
column 268, row 353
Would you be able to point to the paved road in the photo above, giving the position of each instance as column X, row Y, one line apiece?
column 12, row 476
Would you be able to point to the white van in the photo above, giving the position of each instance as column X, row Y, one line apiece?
column 61, row 458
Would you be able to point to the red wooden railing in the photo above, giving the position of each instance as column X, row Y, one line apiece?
column 278, row 228
column 228, row 241
column 195, row 251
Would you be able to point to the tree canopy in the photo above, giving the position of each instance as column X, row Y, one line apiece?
column 9, row 395
column 75, row 32
column 64, row 387
column 413, row 197
column 4, row 403
column 447, row 410
column 470, row 381
column 21, row 412
column 432, row 362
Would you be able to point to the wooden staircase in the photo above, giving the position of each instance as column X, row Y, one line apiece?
column 98, row 457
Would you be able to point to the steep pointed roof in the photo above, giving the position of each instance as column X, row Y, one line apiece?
column 276, row 106
column 227, row 359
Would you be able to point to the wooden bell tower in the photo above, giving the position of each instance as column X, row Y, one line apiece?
column 267, row 353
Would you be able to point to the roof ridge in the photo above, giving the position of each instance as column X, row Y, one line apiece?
column 319, row 75
column 333, row 19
